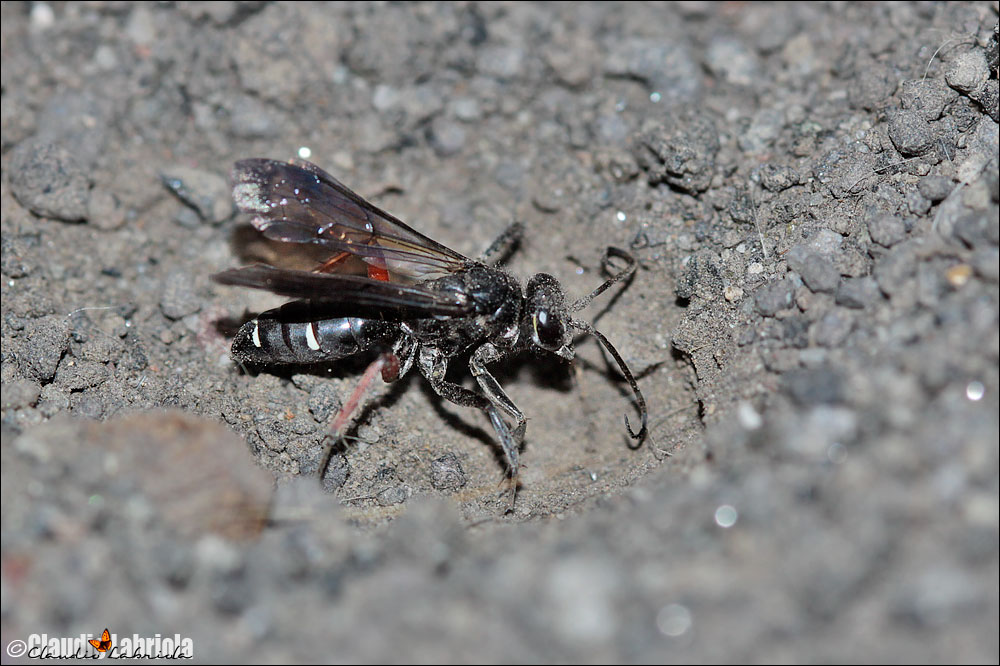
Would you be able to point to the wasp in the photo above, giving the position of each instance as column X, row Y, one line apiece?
column 386, row 286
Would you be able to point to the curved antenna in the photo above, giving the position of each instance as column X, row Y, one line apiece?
column 618, row 277
column 640, row 401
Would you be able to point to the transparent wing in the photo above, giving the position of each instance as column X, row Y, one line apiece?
column 300, row 203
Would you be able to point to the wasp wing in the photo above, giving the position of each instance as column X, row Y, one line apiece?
column 363, row 295
column 300, row 203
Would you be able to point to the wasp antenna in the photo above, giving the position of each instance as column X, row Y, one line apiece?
column 617, row 277
column 639, row 399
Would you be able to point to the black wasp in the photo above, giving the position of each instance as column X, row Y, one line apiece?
column 424, row 301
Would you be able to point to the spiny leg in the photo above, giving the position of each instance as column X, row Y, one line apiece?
column 510, row 441
column 433, row 365
column 509, row 446
column 488, row 353
column 504, row 244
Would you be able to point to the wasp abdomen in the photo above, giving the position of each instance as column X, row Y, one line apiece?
column 271, row 338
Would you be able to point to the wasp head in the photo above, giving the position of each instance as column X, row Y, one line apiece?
column 545, row 316
column 547, row 321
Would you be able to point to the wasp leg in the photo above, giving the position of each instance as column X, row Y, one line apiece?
column 504, row 244
column 488, row 353
column 509, row 446
column 433, row 365
column 510, row 440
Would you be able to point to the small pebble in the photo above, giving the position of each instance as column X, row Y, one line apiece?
column 447, row 472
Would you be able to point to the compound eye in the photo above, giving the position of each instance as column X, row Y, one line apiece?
column 549, row 331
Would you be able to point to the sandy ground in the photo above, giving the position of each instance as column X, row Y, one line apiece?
column 811, row 191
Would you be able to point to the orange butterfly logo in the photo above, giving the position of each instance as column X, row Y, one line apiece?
column 104, row 644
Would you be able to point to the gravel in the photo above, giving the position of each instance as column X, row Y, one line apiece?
column 48, row 180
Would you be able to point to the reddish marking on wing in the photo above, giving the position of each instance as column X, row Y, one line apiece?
column 378, row 273
column 328, row 265
column 332, row 264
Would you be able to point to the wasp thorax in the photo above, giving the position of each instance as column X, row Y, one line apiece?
column 544, row 320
